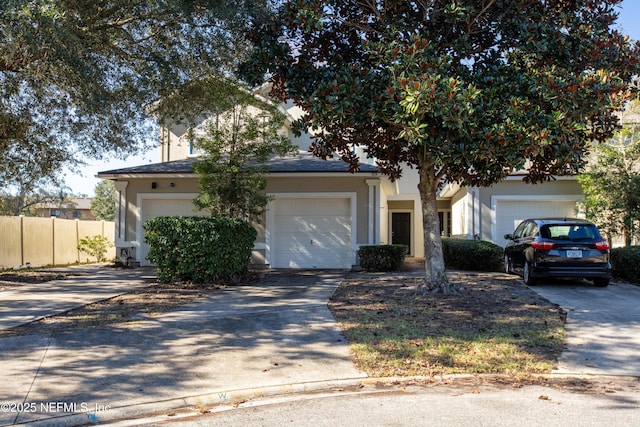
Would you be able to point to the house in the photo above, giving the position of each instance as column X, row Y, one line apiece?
column 320, row 214
column 75, row 208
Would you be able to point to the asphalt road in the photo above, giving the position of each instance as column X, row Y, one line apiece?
column 439, row 406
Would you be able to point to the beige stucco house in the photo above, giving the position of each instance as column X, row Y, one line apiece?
column 320, row 214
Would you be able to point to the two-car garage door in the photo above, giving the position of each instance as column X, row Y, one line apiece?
column 310, row 233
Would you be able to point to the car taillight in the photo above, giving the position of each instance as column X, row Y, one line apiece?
column 543, row 245
column 602, row 245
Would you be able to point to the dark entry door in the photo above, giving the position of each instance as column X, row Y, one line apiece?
column 401, row 229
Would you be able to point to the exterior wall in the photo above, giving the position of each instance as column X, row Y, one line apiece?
column 133, row 191
column 473, row 210
column 407, row 199
column 144, row 185
column 459, row 214
column 174, row 144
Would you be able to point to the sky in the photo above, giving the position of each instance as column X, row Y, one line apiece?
column 83, row 180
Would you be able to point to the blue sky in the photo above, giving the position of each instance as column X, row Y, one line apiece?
column 84, row 181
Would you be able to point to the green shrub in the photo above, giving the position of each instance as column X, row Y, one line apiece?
column 474, row 255
column 96, row 246
column 625, row 263
column 199, row 249
column 382, row 257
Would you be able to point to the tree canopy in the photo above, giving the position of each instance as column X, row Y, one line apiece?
column 611, row 182
column 82, row 77
column 237, row 142
column 464, row 91
column 103, row 205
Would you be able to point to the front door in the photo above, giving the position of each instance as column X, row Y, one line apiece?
column 401, row 229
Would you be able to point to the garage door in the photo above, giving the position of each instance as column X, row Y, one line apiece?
column 510, row 213
column 151, row 208
column 311, row 233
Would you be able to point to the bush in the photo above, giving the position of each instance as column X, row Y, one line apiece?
column 96, row 246
column 382, row 257
column 625, row 263
column 474, row 255
column 199, row 249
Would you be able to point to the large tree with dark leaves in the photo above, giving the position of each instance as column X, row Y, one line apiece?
column 81, row 77
column 464, row 91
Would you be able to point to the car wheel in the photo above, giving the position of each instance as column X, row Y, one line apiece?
column 528, row 280
column 507, row 265
column 601, row 283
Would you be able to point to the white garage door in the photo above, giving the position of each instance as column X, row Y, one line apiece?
column 510, row 213
column 151, row 208
column 311, row 233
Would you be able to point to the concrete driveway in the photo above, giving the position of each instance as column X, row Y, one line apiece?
column 276, row 334
column 603, row 327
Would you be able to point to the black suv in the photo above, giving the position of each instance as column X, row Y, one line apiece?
column 541, row 248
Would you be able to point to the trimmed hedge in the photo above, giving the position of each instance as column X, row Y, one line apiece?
column 474, row 255
column 199, row 249
column 382, row 257
column 625, row 263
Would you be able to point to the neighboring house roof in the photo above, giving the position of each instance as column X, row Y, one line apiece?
column 78, row 203
column 302, row 163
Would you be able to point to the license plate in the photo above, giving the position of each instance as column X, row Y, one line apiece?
column 574, row 254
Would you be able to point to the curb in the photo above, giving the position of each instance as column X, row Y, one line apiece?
column 232, row 398
column 212, row 399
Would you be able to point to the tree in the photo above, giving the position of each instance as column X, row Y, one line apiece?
column 611, row 183
column 465, row 91
column 238, row 142
column 103, row 205
column 83, row 77
column 28, row 196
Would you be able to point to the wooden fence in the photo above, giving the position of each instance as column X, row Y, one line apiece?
column 31, row 241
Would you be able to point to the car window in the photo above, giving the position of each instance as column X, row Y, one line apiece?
column 583, row 232
column 570, row 232
column 530, row 230
column 558, row 232
column 518, row 233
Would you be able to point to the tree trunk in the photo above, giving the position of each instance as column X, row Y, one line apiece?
column 435, row 273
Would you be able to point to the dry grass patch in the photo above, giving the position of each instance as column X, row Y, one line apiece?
column 494, row 325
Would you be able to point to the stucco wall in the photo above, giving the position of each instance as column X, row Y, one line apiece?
column 275, row 184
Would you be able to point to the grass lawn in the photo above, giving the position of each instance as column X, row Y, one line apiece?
column 493, row 325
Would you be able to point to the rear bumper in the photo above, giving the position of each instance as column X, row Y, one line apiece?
column 586, row 273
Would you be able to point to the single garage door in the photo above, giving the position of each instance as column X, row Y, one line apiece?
column 311, row 233
column 151, row 208
column 510, row 213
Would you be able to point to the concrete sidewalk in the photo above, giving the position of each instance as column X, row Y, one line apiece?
column 88, row 283
column 278, row 333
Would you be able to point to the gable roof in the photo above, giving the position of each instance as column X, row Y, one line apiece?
column 302, row 163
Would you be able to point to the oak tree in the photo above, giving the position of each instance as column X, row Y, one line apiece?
column 82, row 78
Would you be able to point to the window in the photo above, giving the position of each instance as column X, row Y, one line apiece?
column 445, row 223
column 519, row 230
column 530, row 230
